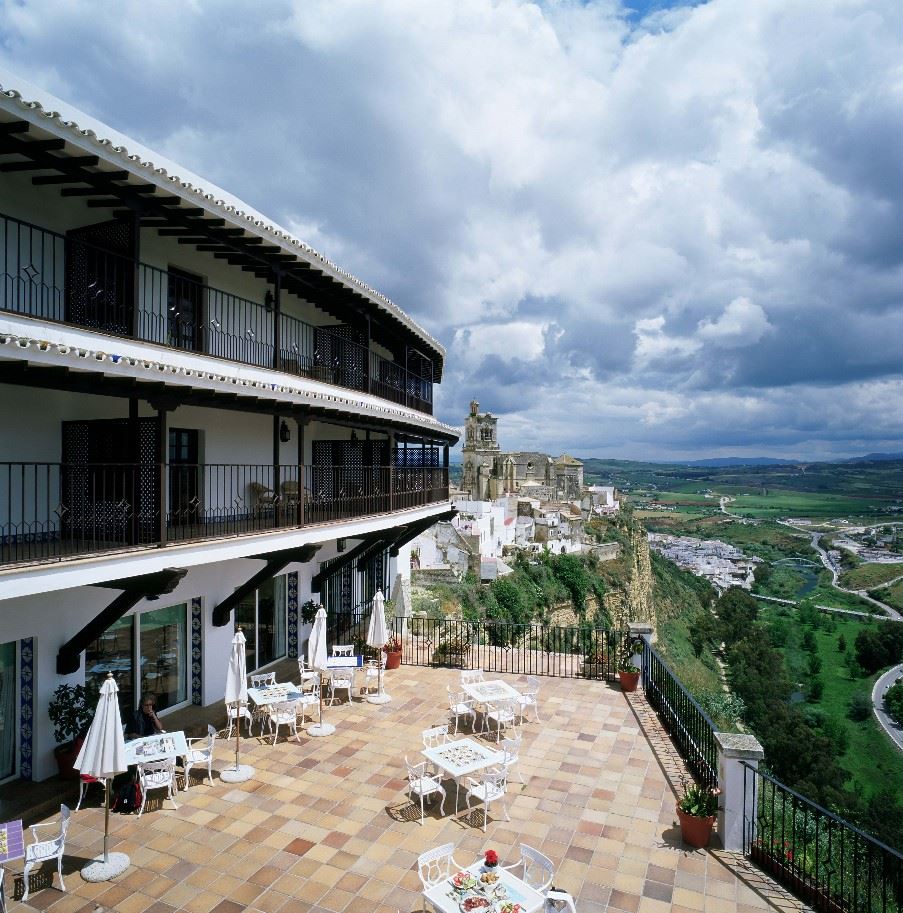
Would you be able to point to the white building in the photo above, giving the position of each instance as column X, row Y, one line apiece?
column 205, row 422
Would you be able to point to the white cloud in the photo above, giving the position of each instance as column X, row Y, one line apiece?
column 682, row 222
column 742, row 323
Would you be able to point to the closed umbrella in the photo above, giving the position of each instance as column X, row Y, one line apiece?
column 377, row 635
column 316, row 659
column 102, row 755
column 237, row 698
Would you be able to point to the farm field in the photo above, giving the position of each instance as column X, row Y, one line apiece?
column 892, row 595
column 866, row 576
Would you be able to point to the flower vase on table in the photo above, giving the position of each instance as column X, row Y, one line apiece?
column 490, row 861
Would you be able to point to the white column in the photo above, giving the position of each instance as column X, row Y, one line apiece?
column 738, row 786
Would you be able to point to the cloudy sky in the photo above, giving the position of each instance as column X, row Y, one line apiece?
column 642, row 229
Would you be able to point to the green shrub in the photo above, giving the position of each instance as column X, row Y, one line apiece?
column 860, row 707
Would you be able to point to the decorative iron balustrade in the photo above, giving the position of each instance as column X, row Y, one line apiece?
column 55, row 511
column 67, row 280
column 522, row 649
column 824, row 860
column 685, row 721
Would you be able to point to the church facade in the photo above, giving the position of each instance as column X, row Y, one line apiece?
column 489, row 472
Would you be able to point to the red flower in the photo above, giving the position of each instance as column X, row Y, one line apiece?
column 492, row 857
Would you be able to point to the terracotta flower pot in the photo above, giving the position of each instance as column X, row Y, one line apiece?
column 694, row 830
column 629, row 680
column 393, row 659
column 65, row 759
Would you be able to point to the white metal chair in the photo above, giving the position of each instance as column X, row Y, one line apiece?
column 262, row 679
column 343, row 650
column 305, row 671
column 340, row 680
column 260, row 712
column 200, row 752
column 157, row 775
column 538, row 870
column 437, row 865
column 471, row 676
column 491, row 787
column 459, row 704
column 235, row 716
column 283, row 713
column 371, row 671
column 310, row 698
column 503, row 714
column 529, row 698
column 435, row 736
column 86, row 780
column 42, row 850
column 510, row 751
column 423, row 785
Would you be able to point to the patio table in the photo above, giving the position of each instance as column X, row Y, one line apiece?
column 462, row 757
column 274, row 694
column 445, row 898
column 344, row 662
column 493, row 690
column 156, row 747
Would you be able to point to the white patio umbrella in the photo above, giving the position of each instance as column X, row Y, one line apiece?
column 316, row 659
column 102, row 755
column 377, row 635
column 237, row 698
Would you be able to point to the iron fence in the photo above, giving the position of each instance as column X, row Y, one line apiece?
column 521, row 649
column 685, row 721
column 48, row 275
column 52, row 511
column 824, row 860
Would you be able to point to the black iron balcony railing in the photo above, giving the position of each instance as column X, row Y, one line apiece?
column 55, row 511
column 47, row 275
column 685, row 721
column 824, row 860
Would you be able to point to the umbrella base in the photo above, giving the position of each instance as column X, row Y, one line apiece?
column 381, row 698
column 321, row 729
column 98, row 870
column 237, row 774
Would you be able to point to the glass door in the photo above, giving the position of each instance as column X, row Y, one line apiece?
column 262, row 617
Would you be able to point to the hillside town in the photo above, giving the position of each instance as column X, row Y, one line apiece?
column 510, row 502
column 721, row 564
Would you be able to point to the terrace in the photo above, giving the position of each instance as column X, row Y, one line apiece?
column 326, row 824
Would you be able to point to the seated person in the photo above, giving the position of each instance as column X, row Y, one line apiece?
column 146, row 722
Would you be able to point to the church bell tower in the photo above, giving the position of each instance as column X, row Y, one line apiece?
column 481, row 447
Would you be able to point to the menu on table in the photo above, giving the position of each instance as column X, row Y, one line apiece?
column 12, row 843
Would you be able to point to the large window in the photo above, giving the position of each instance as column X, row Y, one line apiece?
column 156, row 644
column 8, row 717
column 262, row 616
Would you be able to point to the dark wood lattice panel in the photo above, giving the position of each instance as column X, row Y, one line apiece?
column 341, row 355
column 100, row 281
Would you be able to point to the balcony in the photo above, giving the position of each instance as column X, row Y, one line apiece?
column 59, row 511
column 70, row 281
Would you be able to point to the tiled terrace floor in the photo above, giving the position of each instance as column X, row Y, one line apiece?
column 326, row 824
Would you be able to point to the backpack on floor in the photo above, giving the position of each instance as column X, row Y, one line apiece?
column 128, row 798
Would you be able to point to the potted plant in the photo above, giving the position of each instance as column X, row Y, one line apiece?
column 628, row 665
column 308, row 611
column 71, row 717
column 392, row 649
column 452, row 651
column 490, row 861
column 696, row 810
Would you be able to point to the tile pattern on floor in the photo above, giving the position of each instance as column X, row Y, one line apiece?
column 326, row 824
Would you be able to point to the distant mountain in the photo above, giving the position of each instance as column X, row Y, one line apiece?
column 874, row 458
column 738, row 461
